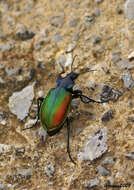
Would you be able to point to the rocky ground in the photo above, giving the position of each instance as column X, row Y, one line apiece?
column 36, row 37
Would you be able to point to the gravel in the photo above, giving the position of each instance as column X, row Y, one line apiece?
column 95, row 146
column 129, row 9
column 20, row 102
column 109, row 93
column 127, row 80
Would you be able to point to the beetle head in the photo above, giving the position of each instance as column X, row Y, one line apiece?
column 73, row 75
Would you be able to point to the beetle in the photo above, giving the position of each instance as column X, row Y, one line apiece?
column 54, row 108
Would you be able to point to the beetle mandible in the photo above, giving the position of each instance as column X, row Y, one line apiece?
column 54, row 108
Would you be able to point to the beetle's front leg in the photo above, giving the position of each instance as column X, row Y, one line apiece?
column 84, row 99
column 39, row 102
column 76, row 93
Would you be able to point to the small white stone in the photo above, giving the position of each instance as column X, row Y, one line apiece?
column 20, row 102
column 69, row 59
column 131, row 55
column 129, row 9
column 4, row 148
column 95, row 146
column 40, row 93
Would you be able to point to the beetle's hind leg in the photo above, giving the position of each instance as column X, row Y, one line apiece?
column 39, row 102
column 68, row 135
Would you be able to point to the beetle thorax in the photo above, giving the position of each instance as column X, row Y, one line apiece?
column 68, row 81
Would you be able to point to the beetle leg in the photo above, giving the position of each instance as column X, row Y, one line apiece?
column 39, row 102
column 76, row 93
column 68, row 135
column 86, row 99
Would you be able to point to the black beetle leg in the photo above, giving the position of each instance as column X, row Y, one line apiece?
column 86, row 99
column 39, row 102
column 76, row 93
column 68, row 135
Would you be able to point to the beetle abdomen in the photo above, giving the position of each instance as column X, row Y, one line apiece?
column 54, row 108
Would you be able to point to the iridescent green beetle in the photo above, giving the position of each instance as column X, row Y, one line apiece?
column 54, row 108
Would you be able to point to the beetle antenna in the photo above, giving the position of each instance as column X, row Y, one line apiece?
column 73, row 62
column 86, row 71
column 63, row 70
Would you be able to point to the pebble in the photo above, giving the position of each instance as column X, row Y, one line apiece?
column 57, row 21
column 57, row 37
column 26, row 173
column 89, row 20
column 49, row 170
column 2, row 66
column 131, row 56
column 97, row 51
column 122, row 30
column 42, row 134
column 71, row 47
column 2, row 83
column 106, row 70
column 6, row 47
column 74, row 22
column 23, row 33
column 123, row 64
column 31, row 74
column 40, row 93
column 97, row 11
column 20, row 102
column 116, row 52
column 95, row 146
column 107, row 116
column 115, row 58
column 76, row 37
column 38, row 44
column 96, row 40
column 92, row 183
column 69, row 59
column 74, row 5
column 97, row 1
column 44, row 32
column 109, row 160
column 4, row 148
column 3, row 117
column 11, row 70
column 3, row 36
column 109, row 93
column 131, row 119
column 129, row 9
column 75, row 103
column 29, row 5
column 19, row 151
column 119, row 11
column 2, row 186
column 130, row 155
column 128, row 80
column 103, row 171
column 30, row 123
